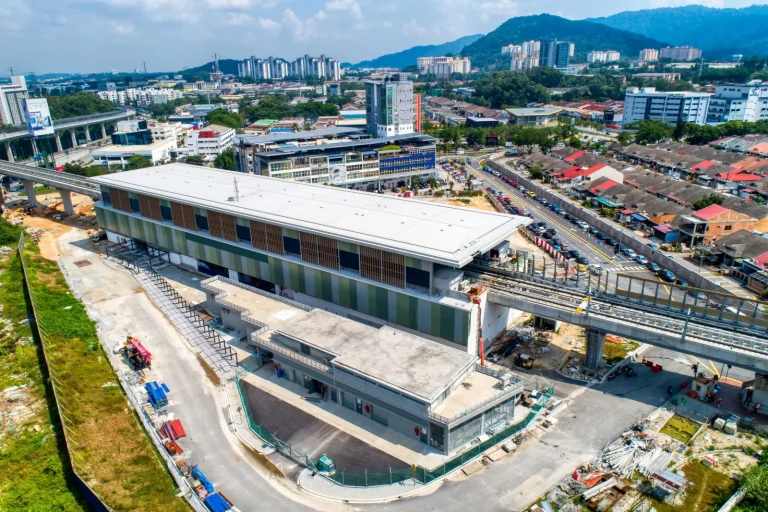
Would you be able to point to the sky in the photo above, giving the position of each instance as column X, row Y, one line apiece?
column 71, row 36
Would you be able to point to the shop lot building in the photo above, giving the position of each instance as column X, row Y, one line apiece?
column 369, row 257
column 427, row 391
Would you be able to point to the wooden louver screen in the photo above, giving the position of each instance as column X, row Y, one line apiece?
column 259, row 235
column 188, row 212
column 214, row 224
column 370, row 263
column 393, row 269
column 319, row 250
column 144, row 208
column 228, row 229
column 177, row 213
column 154, row 208
column 120, row 200
column 275, row 239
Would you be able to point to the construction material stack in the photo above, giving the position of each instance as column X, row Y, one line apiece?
column 138, row 356
column 157, row 394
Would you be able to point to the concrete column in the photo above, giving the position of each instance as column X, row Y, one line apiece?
column 73, row 137
column 2, row 197
column 29, row 186
column 8, row 151
column 595, row 342
column 87, row 134
column 103, row 130
column 66, row 202
column 59, row 149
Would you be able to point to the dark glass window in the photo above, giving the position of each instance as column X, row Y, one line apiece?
column 202, row 222
column 417, row 277
column 134, row 204
column 165, row 211
column 243, row 233
column 349, row 260
column 292, row 246
column 212, row 269
column 106, row 197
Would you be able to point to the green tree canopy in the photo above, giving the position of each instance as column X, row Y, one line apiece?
column 78, row 104
column 138, row 162
column 87, row 171
column 651, row 131
column 224, row 117
column 225, row 160
column 707, row 201
column 195, row 160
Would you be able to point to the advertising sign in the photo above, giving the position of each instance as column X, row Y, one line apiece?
column 38, row 117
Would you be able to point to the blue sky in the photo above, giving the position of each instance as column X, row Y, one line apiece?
column 44, row 36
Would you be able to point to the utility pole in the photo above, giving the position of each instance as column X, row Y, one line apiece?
column 10, row 68
column 145, row 67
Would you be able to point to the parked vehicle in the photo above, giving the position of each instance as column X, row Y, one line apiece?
column 668, row 276
column 582, row 224
column 630, row 253
column 583, row 260
column 611, row 241
column 592, row 230
column 653, row 267
column 601, row 236
column 573, row 254
column 595, row 269
column 641, row 259
column 682, row 282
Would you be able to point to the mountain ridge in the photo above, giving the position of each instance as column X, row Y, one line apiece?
column 408, row 56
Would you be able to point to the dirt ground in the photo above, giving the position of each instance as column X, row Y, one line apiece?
column 478, row 203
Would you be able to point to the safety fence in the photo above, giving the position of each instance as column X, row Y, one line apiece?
column 371, row 479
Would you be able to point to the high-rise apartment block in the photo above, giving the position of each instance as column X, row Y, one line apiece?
column 680, row 53
column 12, row 97
column 274, row 68
column 389, row 106
column 523, row 56
column 443, row 67
column 649, row 55
column 603, row 56
column 669, row 107
column 555, row 54
column 739, row 102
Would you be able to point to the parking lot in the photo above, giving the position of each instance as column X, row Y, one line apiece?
column 313, row 436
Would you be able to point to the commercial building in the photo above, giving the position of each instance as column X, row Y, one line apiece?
column 368, row 164
column 132, row 133
column 669, row 77
column 166, row 131
column 12, row 98
column 649, row 55
column 158, row 152
column 536, row 116
column 711, row 224
column 680, row 53
column 443, row 67
column 374, row 258
column 739, row 102
column 209, row 141
column 389, row 106
column 670, row 107
column 555, row 54
column 603, row 56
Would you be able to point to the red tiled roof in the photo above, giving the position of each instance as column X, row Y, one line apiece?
column 738, row 175
column 759, row 148
column 593, row 169
column 627, row 211
column 762, row 259
column 604, row 186
column 574, row 156
column 710, row 211
column 703, row 165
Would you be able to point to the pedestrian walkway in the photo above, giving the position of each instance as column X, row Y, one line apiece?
column 629, row 268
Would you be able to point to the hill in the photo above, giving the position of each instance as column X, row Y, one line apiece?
column 408, row 57
column 586, row 35
column 718, row 32
column 226, row 66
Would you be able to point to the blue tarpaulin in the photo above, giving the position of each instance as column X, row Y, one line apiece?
column 638, row 217
column 203, row 480
column 216, row 503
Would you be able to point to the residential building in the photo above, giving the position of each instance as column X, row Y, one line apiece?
column 680, row 53
column 669, row 77
column 510, row 49
column 739, row 102
column 367, row 164
column 334, row 88
column 531, row 47
column 538, row 116
column 443, row 67
column 389, row 106
column 275, row 68
column 603, row 56
column 555, row 54
column 649, row 55
column 571, row 49
column 670, row 107
column 375, row 258
column 157, row 152
column 12, row 98
column 166, row 131
column 209, row 141
column 712, row 223
column 521, row 61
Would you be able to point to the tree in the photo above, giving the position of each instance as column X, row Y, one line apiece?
column 138, row 162
column 416, row 182
column 707, row 201
column 624, row 138
column 536, row 172
column 195, row 160
column 78, row 104
column 224, row 117
column 679, row 131
column 651, row 131
column 89, row 171
column 756, row 484
column 225, row 160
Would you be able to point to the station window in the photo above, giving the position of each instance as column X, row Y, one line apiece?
column 349, row 260
column 165, row 212
column 417, row 277
column 106, row 197
column 243, row 233
column 292, row 245
column 134, row 201
column 201, row 221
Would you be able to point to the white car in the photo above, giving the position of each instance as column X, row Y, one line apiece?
column 583, row 225
column 641, row 259
column 595, row 268
column 630, row 253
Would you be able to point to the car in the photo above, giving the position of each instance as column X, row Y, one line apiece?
column 592, row 230
column 653, row 267
column 630, row 253
column 682, row 282
column 601, row 236
column 531, row 194
column 556, row 247
column 561, row 212
column 546, row 235
column 568, row 216
column 580, row 267
column 699, row 296
column 583, row 260
column 611, row 241
column 582, row 224
column 641, row 259
column 556, row 241
column 595, row 269
column 654, row 247
column 573, row 254
column 668, row 276
column 25, row 202
column 542, row 224
column 622, row 248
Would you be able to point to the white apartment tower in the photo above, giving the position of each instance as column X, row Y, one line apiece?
column 739, row 102
column 649, row 55
column 11, row 101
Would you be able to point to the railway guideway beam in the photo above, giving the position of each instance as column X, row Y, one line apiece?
column 595, row 342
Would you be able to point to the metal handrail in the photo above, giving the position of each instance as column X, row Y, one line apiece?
column 275, row 347
column 207, row 285
column 516, row 388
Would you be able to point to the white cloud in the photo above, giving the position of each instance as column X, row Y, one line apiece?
column 302, row 30
column 345, row 5
column 239, row 18
column 228, row 4
column 411, row 28
column 162, row 10
column 123, row 28
column 386, row 24
column 268, row 24
column 499, row 9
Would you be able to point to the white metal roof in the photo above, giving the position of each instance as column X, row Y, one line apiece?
column 443, row 234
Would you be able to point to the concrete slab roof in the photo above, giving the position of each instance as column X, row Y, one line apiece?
column 442, row 234
column 274, row 138
column 417, row 366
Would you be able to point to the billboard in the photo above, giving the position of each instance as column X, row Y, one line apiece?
column 38, row 117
